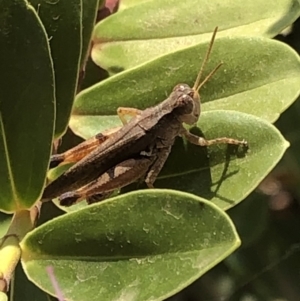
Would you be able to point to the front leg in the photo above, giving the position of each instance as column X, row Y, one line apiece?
column 122, row 112
column 194, row 139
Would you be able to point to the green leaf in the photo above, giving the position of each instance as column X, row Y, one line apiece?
column 114, row 251
column 3, row 296
column 63, row 23
column 89, row 13
column 21, row 289
column 26, row 105
column 152, row 28
column 5, row 221
column 259, row 76
column 128, row 3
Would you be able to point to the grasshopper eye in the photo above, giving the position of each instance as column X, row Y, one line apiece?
column 191, row 94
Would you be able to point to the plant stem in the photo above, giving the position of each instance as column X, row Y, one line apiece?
column 22, row 222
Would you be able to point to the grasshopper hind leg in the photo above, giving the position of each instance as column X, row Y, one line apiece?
column 71, row 198
column 98, row 197
column 115, row 178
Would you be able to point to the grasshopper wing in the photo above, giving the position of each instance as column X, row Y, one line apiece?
column 123, row 144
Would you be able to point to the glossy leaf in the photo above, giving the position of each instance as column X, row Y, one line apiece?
column 218, row 173
column 63, row 23
column 3, row 297
column 24, row 290
column 5, row 221
column 89, row 13
column 114, row 251
column 128, row 3
column 26, row 105
column 259, row 76
column 152, row 28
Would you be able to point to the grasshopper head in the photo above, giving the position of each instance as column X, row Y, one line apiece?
column 188, row 103
column 189, row 98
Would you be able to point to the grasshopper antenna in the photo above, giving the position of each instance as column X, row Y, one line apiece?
column 198, row 84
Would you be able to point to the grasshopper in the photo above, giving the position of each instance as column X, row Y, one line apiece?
column 137, row 150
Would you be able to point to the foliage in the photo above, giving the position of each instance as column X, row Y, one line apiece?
column 143, row 244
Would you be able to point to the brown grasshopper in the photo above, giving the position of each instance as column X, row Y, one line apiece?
column 139, row 149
